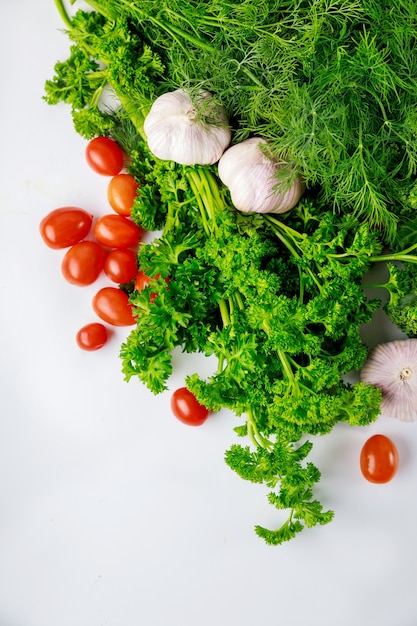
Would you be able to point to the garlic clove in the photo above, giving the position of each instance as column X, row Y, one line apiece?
column 392, row 367
column 190, row 134
column 252, row 179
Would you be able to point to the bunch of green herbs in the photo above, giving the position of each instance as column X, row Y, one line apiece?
column 277, row 300
column 332, row 84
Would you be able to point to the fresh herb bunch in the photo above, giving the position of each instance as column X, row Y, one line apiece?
column 332, row 85
column 279, row 307
column 278, row 301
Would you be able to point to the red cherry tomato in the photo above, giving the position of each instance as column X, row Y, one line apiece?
column 104, row 156
column 379, row 459
column 112, row 305
column 120, row 265
column 121, row 193
column 142, row 280
column 92, row 336
column 65, row 226
column 117, row 231
column 83, row 263
column 187, row 409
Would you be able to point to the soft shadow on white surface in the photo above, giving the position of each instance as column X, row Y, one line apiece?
column 112, row 512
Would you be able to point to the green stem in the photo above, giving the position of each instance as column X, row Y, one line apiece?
column 238, row 299
column 288, row 237
column 255, row 436
column 375, row 285
column 224, row 312
column 213, row 188
column 287, row 369
column 63, row 13
column 195, row 184
column 289, row 232
column 399, row 256
column 206, row 191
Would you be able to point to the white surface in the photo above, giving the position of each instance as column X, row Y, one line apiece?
column 112, row 512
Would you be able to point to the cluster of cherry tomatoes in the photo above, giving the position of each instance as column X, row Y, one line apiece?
column 108, row 244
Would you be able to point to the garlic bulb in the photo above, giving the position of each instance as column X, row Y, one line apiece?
column 252, row 179
column 392, row 367
column 190, row 134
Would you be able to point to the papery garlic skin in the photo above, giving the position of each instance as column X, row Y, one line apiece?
column 252, row 179
column 392, row 367
column 176, row 131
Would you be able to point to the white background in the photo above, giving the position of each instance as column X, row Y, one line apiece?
column 112, row 513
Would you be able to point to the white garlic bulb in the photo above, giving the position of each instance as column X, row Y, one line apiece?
column 185, row 132
column 392, row 367
column 251, row 177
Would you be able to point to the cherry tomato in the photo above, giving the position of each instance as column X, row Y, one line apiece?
column 112, row 305
column 142, row 280
column 187, row 409
column 121, row 193
column 117, row 231
column 120, row 265
column 92, row 336
column 379, row 459
column 65, row 226
column 83, row 263
column 104, row 156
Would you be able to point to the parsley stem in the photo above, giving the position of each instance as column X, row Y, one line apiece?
column 375, row 285
column 237, row 298
column 397, row 256
column 63, row 13
column 408, row 258
column 195, row 183
column 224, row 312
column 254, row 435
column 287, row 369
column 288, row 237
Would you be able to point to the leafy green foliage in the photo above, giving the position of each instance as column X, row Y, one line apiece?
column 278, row 301
column 331, row 84
column 282, row 345
column 401, row 306
column 104, row 54
column 296, row 485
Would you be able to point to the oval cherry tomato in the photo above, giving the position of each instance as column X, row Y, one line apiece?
column 120, row 265
column 65, row 226
column 112, row 305
column 92, row 336
column 379, row 459
column 121, row 193
column 117, row 231
column 104, row 156
column 187, row 409
column 83, row 263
